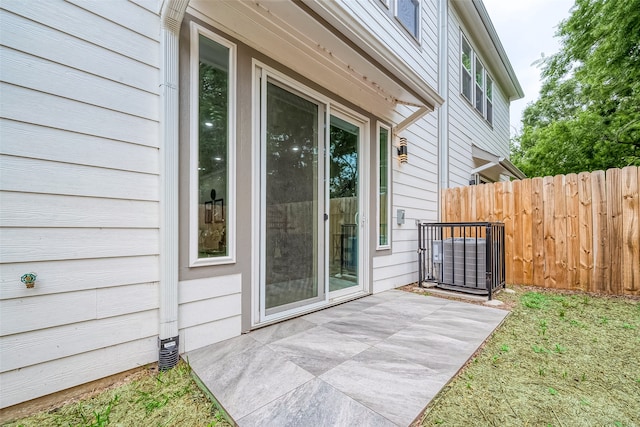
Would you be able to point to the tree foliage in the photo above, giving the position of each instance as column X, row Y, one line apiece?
column 587, row 116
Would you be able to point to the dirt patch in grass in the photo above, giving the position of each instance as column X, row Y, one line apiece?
column 152, row 398
column 559, row 359
column 509, row 299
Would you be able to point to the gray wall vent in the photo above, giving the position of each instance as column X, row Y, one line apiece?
column 169, row 353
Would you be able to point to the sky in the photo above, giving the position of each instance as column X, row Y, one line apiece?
column 526, row 29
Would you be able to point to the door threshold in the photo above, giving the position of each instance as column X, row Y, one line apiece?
column 332, row 302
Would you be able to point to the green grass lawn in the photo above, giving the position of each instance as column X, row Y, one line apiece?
column 558, row 360
column 169, row 398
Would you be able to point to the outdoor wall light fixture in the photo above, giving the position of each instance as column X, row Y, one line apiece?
column 403, row 154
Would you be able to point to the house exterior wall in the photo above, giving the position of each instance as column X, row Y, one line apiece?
column 80, row 187
column 466, row 125
column 79, row 193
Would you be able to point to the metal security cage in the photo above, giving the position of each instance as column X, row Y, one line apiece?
column 462, row 256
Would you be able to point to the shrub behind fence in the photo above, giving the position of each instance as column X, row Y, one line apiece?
column 576, row 231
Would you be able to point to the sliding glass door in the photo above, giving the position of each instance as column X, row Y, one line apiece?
column 310, row 202
column 344, row 205
column 293, row 196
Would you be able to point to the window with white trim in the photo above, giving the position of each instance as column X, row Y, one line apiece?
column 475, row 83
column 479, row 87
column 489, row 96
column 466, row 69
column 212, row 149
column 384, row 179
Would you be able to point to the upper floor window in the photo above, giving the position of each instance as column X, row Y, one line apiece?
column 489, row 97
column 479, row 86
column 408, row 13
column 212, row 189
column 466, row 69
column 476, row 84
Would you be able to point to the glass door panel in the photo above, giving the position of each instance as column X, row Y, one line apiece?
column 343, row 205
column 291, row 201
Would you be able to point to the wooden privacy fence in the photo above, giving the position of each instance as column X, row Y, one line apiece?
column 576, row 231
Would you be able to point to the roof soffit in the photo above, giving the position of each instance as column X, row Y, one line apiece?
column 298, row 40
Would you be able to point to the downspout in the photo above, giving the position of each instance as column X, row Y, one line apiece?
column 443, row 89
column 171, row 20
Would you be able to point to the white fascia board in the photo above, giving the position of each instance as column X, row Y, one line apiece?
column 481, row 31
column 483, row 167
column 493, row 161
column 362, row 37
column 513, row 169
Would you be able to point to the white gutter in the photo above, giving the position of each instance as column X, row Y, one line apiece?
column 171, row 19
column 443, row 89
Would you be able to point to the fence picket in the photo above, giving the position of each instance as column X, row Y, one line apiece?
column 498, row 196
column 614, row 230
column 548, row 197
column 508, row 206
column 537, row 234
column 631, row 230
column 457, row 215
column 490, row 202
column 600, row 248
column 572, row 206
column 527, row 248
column 586, row 226
column 465, row 204
column 560, row 225
column 517, row 236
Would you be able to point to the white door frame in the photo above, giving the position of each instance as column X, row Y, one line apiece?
column 258, row 312
column 363, row 201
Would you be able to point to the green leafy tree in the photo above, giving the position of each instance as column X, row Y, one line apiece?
column 587, row 116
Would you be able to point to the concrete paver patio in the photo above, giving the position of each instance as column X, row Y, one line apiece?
column 376, row 361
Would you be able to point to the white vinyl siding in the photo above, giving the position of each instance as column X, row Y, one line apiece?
column 209, row 310
column 79, row 193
